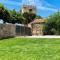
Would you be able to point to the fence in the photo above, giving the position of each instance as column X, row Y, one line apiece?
column 23, row 31
column 11, row 30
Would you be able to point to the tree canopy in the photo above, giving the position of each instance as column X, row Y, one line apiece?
column 29, row 16
column 12, row 16
column 53, row 24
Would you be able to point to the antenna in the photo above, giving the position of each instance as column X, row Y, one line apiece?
column 28, row 5
column 28, row 2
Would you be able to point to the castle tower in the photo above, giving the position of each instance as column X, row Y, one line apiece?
column 28, row 6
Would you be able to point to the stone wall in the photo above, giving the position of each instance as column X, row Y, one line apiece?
column 11, row 30
column 23, row 31
column 7, row 30
column 37, row 29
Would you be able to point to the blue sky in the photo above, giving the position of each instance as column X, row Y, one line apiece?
column 44, row 7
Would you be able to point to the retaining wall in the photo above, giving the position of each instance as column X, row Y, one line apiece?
column 7, row 30
column 12, row 30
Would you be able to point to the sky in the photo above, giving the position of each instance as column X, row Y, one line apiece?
column 44, row 7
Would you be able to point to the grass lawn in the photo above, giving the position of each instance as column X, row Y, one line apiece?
column 30, row 49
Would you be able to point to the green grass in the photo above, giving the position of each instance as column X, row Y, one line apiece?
column 30, row 49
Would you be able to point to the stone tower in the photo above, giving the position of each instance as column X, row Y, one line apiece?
column 28, row 6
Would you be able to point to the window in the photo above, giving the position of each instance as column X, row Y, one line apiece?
column 30, row 10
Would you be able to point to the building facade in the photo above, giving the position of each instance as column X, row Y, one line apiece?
column 28, row 8
column 37, row 26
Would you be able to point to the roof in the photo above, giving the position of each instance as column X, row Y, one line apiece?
column 38, row 21
column 29, row 6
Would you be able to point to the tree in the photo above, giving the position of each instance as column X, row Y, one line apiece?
column 29, row 17
column 4, row 14
column 1, row 11
column 38, row 17
column 15, row 17
column 53, row 24
column 12, row 16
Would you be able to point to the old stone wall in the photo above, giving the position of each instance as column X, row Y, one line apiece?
column 37, row 29
column 11, row 30
column 7, row 30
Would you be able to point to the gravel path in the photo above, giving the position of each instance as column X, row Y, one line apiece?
column 46, row 36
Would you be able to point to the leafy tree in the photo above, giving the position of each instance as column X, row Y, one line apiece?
column 53, row 24
column 1, row 11
column 38, row 17
column 4, row 14
column 15, row 17
column 29, row 16
column 11, row 16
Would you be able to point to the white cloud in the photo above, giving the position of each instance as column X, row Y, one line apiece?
column 44, row 5
column 46, row 8
column 40, row 4
column 28, row 2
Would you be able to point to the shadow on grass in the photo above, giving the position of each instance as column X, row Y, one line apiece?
column 6, row 37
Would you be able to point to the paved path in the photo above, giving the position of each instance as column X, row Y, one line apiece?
column 46, row 36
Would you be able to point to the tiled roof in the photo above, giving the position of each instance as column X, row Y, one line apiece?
column 38, row 21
